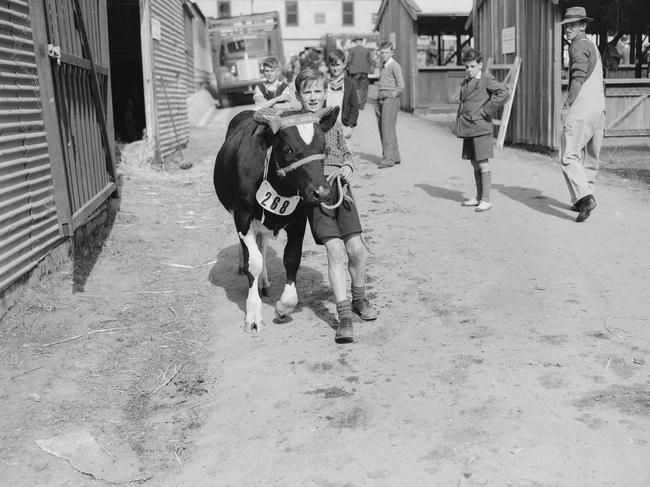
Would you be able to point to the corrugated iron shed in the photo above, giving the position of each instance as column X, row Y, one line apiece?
column 28, row 218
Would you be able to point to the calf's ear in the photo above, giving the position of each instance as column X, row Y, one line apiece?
column 328, row 117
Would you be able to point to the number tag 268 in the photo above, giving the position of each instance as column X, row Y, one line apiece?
column 271, row 201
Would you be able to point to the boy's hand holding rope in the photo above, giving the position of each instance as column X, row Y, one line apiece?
column 342, row 181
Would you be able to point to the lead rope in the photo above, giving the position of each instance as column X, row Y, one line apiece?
column 266, row 171
column 342, row 189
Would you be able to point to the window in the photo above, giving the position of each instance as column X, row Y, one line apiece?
column 319, row 18
column 291, row 8
column 348, row 13
column 223, row 9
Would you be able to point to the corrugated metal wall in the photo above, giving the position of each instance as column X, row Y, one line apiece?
column 535, row 112
column 397, row 21
column 188, row 28
column 170, row 75
column 28, row 220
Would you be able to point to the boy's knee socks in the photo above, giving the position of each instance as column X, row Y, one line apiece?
column 344, row 308
column 479, row 184
column 358, row 292
column 486, row 183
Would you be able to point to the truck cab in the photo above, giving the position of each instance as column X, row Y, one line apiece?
column 239, row 47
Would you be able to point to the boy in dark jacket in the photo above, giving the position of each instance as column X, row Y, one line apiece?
column 341, row 92
column 481, row 96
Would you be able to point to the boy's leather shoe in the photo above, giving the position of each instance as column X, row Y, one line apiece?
column 344, row 331
column 585, row 206
column 384, row 163
column 363, row 309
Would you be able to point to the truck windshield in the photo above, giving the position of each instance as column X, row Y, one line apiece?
column 246, row 45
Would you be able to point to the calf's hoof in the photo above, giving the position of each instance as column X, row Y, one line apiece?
column 282, row 310
column 253, row 328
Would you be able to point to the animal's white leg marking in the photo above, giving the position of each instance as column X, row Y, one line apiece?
column 253, row 318
column 288, row 301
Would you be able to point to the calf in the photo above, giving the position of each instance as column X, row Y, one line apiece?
column 268, row 169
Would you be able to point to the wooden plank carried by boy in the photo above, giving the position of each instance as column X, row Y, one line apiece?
column 510, row 81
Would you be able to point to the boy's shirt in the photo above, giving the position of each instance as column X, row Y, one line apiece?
column 391, row 80
column 271, row 90
column 337, row 153
column 335, row 95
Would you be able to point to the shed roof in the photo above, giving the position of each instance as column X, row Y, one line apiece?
column 442, row 7
column 430, row 8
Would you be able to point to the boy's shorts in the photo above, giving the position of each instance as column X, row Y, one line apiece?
column 478, row 148
column 337, row 223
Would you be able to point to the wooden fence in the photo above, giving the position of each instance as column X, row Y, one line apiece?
column 71, row 38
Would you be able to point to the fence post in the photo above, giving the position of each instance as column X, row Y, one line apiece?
column 37, row 12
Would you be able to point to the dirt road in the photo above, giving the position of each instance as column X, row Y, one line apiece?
column 512, row 346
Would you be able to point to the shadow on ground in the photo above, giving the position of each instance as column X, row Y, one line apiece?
column 313, row 291
column 88, row 242
column 442, row 193
column 535, row 200
column 372, row 158
column 632, row 173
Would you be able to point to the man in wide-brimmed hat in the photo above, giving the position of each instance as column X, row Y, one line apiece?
column 583, row 114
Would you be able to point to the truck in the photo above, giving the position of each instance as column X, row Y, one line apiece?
column 239, row 45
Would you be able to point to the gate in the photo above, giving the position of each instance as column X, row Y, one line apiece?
column 72, row 45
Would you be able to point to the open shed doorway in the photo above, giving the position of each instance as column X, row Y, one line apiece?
column 126, row 69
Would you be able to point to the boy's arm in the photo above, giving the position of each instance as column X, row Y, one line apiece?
column 346, row 155
column 498, row 96
column 258, row 97
column 399, row 78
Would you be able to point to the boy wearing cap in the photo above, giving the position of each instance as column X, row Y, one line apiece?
column 583, row 114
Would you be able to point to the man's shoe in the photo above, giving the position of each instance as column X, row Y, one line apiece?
column 363, row 309
column 574, row 207
column 398, row 162
column 344, row 331
column 386, row 163
column 585, row 206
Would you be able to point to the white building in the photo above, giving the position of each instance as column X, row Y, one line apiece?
column 304, row 22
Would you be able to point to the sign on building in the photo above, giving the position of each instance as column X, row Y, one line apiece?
column 508, row 40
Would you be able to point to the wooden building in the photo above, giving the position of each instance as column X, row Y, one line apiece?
column 56, row 130
column 504, row 29
column 402, row 22
column 160, row 55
